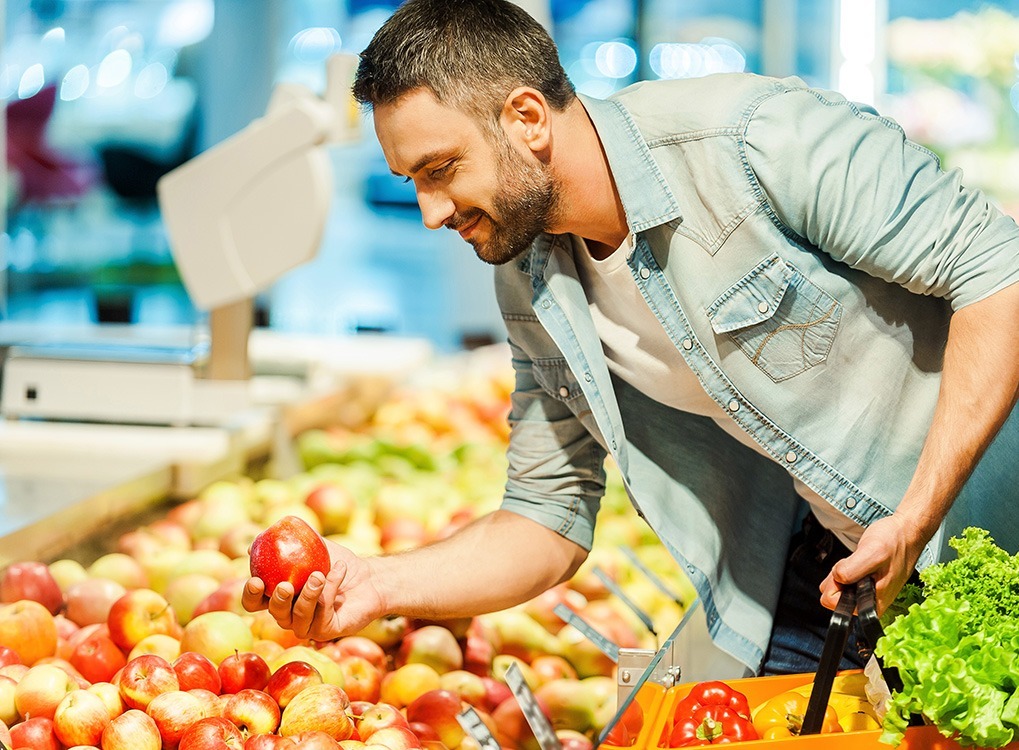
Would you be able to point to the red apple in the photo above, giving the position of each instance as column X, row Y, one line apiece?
column 315, row 740
column 424, row 732
column 97, row 658
column 8, row 656
column 33, row 581
column 253, row 712
column 322, row 707
column 496, row 692
column 379, row 716
column 145, row 677
column 124, row 569
column 140, row 613
column 196, row 671
column 132, row 730
column 236, row 542
column 227, row 598
column 212, row 703
column 289, row 550
column 433, row 645
column 14, row 671
column 80, row 718
column 290, row 679
column 216, row 635
column 89, row 601
column 406, row 683
column 241, row 671
column 38, row 733
column 333, row 505
column 467, row 685
column 396, row 738
column 357, row 645
column 268, row 742
column 28, row 629
column 548, row 667
column 173, row 713
column 362, row 680
column 439, row 709
column 213, row 733
column 41, row 689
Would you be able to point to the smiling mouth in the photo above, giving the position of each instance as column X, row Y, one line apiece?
column 467, row 229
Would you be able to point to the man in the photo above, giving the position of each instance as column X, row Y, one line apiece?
column 756, row 297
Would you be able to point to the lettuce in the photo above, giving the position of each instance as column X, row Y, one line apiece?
column 957, row 651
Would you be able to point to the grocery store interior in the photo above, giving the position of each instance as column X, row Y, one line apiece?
column 373, row 358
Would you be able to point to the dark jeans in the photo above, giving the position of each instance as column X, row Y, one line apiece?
column 801, row 623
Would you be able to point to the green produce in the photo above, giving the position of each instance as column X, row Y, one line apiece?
column 958, row 651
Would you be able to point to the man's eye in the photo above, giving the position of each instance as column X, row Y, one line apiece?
column 406, row 180
column 440, row 172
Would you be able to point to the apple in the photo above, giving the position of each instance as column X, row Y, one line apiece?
column 289, row 550
column 8, row 708
column 571, row 739
column 8, row 656
column 80, row 718
column 196, row 671
column 404, row 684
column 241, row 671
column 212, row 703
column 316, row 740
column 145, row 677
column 109, row 694
column 227, row 598
column 269, row 742
column 362, row 680
column 424, row 732
column 265, row 627
column 132, row 730
column 402, row 534
column 162, row 565
column 396, row 738
column 268, row 650
column 140, row 613
column 32, row 581
column 469, row 686
column 584, row 705
column 290, row 679
column 37, row 733
column 14, row 671
column 211, row 562
column 330, row 670
column 495, row 692
column 322, row 707
column 512, row 729
column 186, row 592
column 89, row 601
column 353, row 745
column 334, row 506
column 433, row 645
column 97, row 658
column 236, row 542
column 41, row 689
column 124, row 569
column 502, row 663
column 438, row 709
column 5, row 734
column 173, row 713
column 548, row 667
column 379, row 716
column 357, row 645
column 386, row 631
column 216, row 635
column 211, row 733
column 159, row 644
column 28, row 628
column 65, row 629
column 252, row 711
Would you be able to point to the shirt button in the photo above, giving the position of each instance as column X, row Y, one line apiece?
column 613, row 445
column 734, row 405
column 763, row 307
column 687, row 344
column 564, row 391
column 791, row 457
column 644, row 272
column 587, row 377
column 546, row 304
column 851, row 502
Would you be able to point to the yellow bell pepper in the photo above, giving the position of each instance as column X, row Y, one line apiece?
column 784, row 714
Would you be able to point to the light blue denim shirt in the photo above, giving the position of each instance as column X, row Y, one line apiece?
column 805, row 259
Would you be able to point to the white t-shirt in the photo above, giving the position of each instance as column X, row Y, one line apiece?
column 640, row 352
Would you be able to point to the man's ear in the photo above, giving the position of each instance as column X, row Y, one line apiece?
column 525, row 117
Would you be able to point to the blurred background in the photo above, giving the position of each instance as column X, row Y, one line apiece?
column 102, row 97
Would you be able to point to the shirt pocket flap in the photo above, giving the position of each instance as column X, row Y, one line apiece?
column 556, row 378
column 753, row 299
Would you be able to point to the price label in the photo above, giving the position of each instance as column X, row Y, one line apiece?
column 651, row 576
column 614, row 587
column 536, row 720
column 604, row 645
column 475, row 727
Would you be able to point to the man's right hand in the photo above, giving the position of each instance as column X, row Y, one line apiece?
column 340, row 603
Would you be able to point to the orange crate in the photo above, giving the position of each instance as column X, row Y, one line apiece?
column 759, row 689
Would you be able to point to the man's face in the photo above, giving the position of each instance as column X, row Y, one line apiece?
column 467, row 179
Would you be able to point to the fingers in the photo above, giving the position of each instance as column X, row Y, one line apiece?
column 253, row 596
column 303, row 611
column 281, row 603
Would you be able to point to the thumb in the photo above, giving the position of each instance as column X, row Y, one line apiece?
column 850, row 569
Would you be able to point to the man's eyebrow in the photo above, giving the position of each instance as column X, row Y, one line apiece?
column 420, row 163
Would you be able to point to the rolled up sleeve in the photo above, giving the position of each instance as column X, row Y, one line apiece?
column 556, row 473
column 851, row 184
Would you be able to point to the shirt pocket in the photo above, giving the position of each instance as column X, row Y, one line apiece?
column 781, row 320
column 556, row 378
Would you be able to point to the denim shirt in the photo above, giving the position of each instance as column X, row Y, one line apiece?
column 805, row 258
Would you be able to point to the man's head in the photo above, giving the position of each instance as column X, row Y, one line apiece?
column 462, row 92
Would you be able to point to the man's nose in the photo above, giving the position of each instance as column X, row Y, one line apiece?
column 436, row 208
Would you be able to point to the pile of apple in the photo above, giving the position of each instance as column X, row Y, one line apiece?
column 149, row 647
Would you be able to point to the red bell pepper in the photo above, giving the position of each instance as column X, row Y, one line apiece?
column 712, row 714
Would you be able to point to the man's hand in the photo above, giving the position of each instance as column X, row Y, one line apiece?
column 888, row 550
column 327, row 607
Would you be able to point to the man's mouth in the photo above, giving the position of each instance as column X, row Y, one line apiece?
column 466, row 230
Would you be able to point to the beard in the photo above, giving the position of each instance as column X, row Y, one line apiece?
column 525, row 206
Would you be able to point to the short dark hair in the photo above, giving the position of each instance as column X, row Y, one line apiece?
column 470, row 53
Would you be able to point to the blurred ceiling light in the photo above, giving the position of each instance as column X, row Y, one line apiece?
column 857, row 45
column 615, row 59
column 75, row 83
column 32, row 81
column 114, row 69
column 315, row 44
column 9, row 77
column 54, row 36
column 185, row 22
column 676, row 60
column 112, row 38
column 151, row 80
